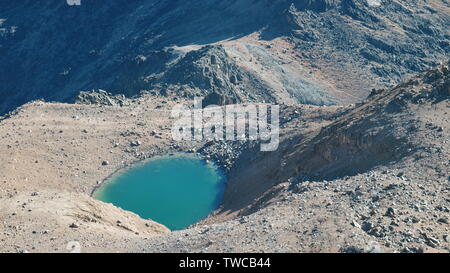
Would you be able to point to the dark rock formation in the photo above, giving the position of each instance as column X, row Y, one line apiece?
column 52, row 50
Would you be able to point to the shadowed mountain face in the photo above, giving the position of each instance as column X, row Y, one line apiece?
column 311, row 51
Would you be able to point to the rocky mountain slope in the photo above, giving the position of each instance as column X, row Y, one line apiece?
column 363, row 163
column 317, row 52
column 372, row 177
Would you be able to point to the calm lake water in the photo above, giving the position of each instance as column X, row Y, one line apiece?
column 176, row 191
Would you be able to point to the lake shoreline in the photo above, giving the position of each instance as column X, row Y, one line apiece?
column 177, row 190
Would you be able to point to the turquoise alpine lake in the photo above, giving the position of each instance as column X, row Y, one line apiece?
column 176, row 191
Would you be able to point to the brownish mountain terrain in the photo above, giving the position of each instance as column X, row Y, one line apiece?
column 370, row 177
column 363, row 88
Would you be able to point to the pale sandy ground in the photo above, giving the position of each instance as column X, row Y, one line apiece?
column 51, row 159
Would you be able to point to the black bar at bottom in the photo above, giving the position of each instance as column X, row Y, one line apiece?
column 218, row 262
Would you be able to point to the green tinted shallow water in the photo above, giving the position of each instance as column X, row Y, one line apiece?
column 176, row 191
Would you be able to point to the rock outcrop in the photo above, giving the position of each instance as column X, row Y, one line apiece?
column 101, row 97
